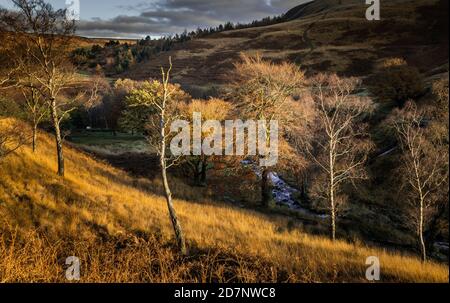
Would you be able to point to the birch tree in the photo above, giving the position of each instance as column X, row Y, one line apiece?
column 7, row 68
column 162, row 101
column 36, row 110
column 98, row 88
column 424, row 169
column 263, row 91
column 11, row 137
column 40, row 38
column 339, row 146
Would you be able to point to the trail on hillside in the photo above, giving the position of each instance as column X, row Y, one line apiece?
column 306, row 39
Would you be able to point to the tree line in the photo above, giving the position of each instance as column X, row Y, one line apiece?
column 115, row 57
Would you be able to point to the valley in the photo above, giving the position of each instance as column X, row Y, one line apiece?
column 117, row 151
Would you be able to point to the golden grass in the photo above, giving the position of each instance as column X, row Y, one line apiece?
column 97, row 207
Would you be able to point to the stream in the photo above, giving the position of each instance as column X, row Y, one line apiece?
column 282, row 192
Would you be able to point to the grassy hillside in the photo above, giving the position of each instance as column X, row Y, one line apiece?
column 118, row 226
column 324, row 35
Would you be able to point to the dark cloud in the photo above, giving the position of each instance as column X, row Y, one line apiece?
column 162, row 17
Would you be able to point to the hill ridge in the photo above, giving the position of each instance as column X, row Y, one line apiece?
column 344, row 42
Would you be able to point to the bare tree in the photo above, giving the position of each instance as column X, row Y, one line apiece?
column 7, row 68
column 94, row 95
column 35, row 107
column 6, row 75
column 440, row 107
column 40, row 38
column 162, row 100
column 263, row 91
column 339, row 146
column 11, row 137
column 164, row 130
column 424, row 168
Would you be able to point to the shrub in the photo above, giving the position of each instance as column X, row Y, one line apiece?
column 397, row 82
column 8, row 108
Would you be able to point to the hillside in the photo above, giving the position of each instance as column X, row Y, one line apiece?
column 119, row 227
column 322, row 35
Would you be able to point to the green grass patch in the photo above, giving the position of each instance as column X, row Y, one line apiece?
column 107, row 142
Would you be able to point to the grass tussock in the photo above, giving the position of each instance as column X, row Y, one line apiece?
column 119, row 228
column 33, row 258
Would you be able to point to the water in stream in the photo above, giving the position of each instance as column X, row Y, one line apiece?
column 282, row 192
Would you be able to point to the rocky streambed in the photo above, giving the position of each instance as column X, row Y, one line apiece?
column 283, row 193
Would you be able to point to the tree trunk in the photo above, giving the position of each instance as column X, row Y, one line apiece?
column 58, row 139
column 106, row 123
column 195, row 166
column 173, row 215
column 199, row 169
column 331, row 194
column 91, row 119
column 34, row 143
column 203, row 173
column 265, row 188
column 197, row 178
column 304, row 192
column 333, row 215
column 421, row 238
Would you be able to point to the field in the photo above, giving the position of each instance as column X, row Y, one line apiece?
column 110, row 143
column 118, row 226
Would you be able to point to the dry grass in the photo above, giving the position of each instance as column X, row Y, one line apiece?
column 33, row 258
column 331, row 40
column 118, row 226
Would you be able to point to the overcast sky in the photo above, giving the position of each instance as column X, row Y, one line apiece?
column 138, row 18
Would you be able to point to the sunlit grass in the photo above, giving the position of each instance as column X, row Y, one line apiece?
column 97, row 204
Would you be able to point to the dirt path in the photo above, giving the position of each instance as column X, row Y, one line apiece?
column 306, row 39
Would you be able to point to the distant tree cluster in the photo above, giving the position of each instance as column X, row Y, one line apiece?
column 115, row 57
column 232, row 26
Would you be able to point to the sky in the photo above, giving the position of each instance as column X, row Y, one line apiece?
column 138, row 18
